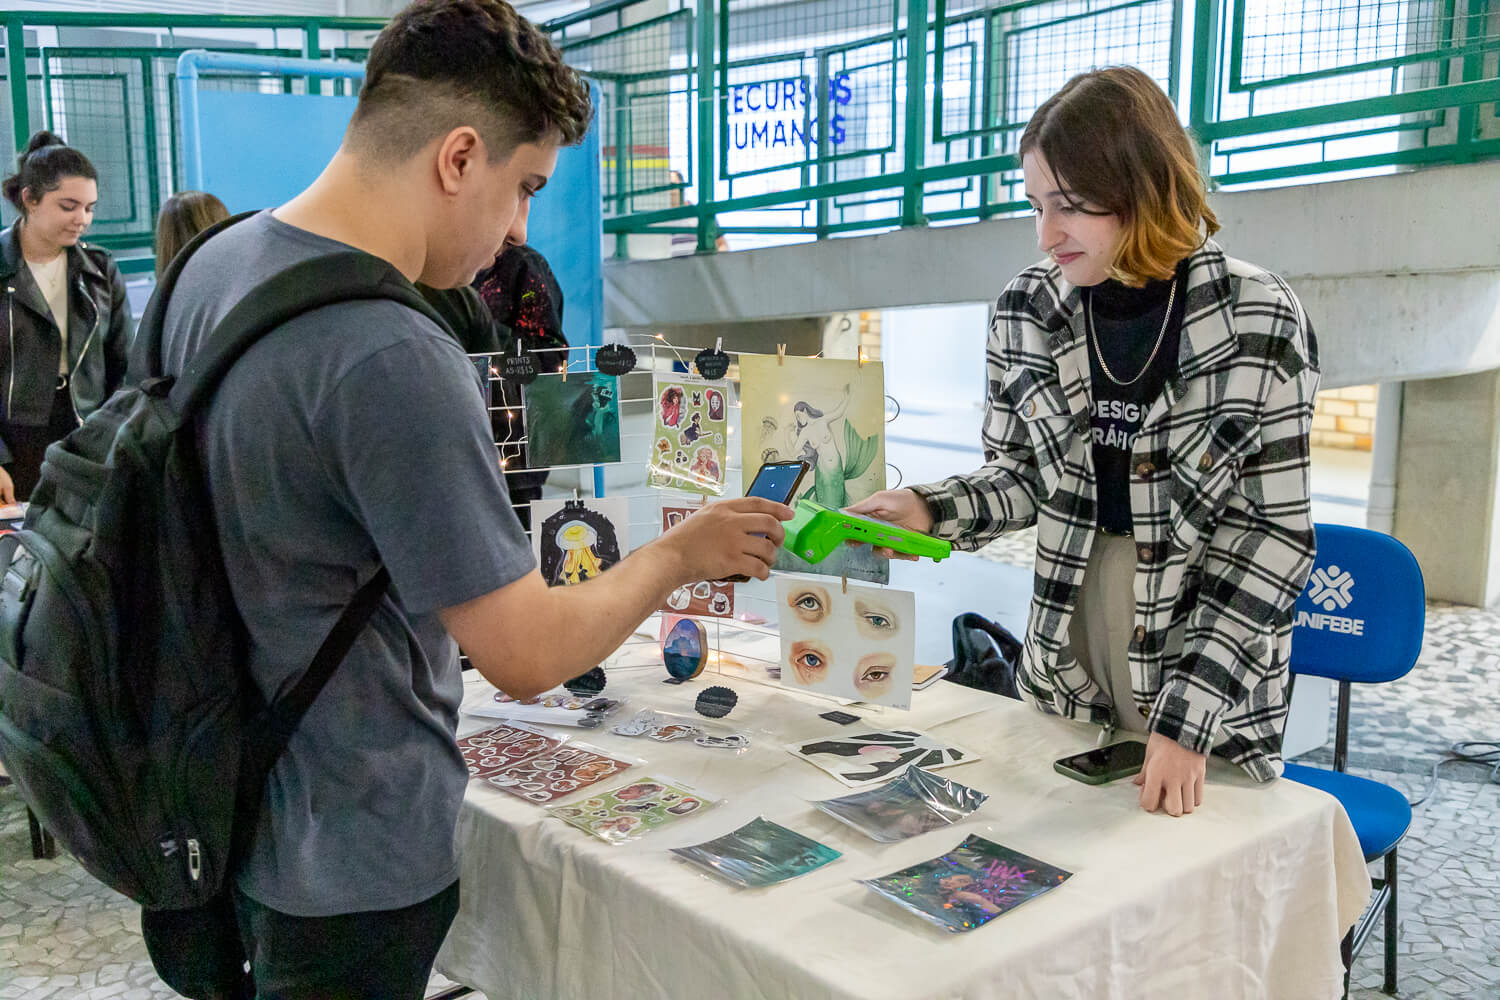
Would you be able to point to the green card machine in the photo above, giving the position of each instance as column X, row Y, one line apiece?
column 817, row 530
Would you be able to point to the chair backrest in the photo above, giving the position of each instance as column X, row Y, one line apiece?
column 1360, row 617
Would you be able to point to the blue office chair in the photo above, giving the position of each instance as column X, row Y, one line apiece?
column 1360, row 618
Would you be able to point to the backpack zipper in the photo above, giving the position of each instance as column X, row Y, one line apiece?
column 194, row 859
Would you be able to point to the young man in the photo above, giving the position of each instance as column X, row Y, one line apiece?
column 354, row 437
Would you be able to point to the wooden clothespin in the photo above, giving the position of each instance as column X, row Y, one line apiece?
column 781, row 354
column 846, row 585
column 564, row 370
column 861, row 357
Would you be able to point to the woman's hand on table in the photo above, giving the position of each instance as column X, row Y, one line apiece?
column 7, row 488
column 900, row 507
column 1172, row 777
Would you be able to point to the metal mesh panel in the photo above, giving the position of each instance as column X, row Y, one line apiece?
column 118, row 104
column 7, row 132
column 1294, row 58
column 1278, row 40
column 999, row 62
column 647, row 88
column 98, row 105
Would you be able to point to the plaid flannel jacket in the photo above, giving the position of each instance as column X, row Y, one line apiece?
column 1218, row 494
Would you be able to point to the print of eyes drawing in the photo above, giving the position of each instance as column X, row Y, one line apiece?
column 858, row 645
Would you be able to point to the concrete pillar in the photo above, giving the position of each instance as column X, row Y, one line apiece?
column 1448, row 471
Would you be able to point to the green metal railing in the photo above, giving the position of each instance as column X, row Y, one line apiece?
column 1273, row 90
column 810, row 119
column 118, row 103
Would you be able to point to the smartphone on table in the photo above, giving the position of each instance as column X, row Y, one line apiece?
column 1102, row 765
column 776, row 481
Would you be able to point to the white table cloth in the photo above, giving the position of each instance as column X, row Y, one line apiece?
column 1246, row 898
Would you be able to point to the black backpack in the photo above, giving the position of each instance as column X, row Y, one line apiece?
column 985, row 655
column 127, row 717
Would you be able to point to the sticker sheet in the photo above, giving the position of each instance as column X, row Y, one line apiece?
column 859, row 645
column 558, row 707
column 573, row 420
column 690, row 441
column 665, row 727
column 970, row 885
column 704, row 599
column 914, row 803
column 576, row 540
column 864, row 757
column 758, row 854
column 557, row 772
column 493, row 750
column 633, row 810
column 831, row 414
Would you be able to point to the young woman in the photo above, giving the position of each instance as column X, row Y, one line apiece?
column 185, row 215
column 1149, row 407
column 66, row 319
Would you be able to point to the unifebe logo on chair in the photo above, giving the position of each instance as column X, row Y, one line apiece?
column 1331, row 589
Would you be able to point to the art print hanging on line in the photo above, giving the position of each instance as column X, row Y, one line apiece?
column 847, row 642
column 690, row 442
column 704, row 599
column 830, row 414
column 573, row 420
column 576, row 540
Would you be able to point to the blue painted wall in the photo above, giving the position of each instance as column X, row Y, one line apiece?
column 261, row 149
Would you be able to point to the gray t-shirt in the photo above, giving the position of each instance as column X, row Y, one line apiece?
column 352, row 436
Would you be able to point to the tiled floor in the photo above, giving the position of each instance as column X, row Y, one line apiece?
column 62, row 935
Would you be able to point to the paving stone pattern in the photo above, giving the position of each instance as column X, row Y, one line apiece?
column 62, row 935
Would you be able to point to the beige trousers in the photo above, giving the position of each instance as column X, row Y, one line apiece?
column 1103, row 624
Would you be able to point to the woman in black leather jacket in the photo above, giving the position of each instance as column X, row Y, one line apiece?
column 65, row 322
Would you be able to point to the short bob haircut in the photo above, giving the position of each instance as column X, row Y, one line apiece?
column 1113, row 140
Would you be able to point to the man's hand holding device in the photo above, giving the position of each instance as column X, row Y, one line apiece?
column 777, row 482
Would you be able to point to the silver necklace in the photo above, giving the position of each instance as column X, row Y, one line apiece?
column 1160, row 336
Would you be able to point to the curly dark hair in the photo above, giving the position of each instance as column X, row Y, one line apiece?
column 441, row 64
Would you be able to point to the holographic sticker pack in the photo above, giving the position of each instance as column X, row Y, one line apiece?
column 759, row 854
column 970, row 885
column 914, row 803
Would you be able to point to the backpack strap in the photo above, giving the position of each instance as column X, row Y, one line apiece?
column 348, row 276
column 145, row 362
column 287, row 711
column 267, row 734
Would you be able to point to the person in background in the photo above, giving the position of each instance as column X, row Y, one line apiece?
column 1149, row 411
column 66, row 317
column 686, row 244
column 526, row 302
column 185, row 215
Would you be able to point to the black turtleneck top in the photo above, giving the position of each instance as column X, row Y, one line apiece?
column 1123, row 325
